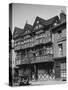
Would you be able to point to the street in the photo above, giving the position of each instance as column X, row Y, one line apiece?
column 50, row 82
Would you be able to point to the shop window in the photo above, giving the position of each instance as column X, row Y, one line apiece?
column 63, row 70
column 60, row 49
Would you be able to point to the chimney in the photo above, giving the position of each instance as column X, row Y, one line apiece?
column 62, row 16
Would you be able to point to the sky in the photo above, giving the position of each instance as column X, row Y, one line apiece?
column 22, row 13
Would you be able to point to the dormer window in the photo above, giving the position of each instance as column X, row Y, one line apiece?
column 26, row 32
column 37, row 21
column 40, row 26
column 55, row 24
column 36, row 27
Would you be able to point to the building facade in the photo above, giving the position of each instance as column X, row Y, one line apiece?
column 35, row 48
column 59, row 44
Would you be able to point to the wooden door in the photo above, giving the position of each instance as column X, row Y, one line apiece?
column 57, row 70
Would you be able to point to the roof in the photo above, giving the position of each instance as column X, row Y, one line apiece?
column 58, row 25
column 17, row 32
column 27, row 28
column 46, row 22
column 62, row 16
column 52, row 20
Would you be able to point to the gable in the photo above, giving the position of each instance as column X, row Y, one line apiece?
column 37, row 24
column 17, row 32
column 27, row 29
column 53, row 20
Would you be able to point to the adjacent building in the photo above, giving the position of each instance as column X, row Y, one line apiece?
column 59, row 44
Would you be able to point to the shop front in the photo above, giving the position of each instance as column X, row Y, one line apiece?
column 43, row 71
column 60, row 68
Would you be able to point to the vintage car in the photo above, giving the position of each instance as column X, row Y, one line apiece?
column 24, row 80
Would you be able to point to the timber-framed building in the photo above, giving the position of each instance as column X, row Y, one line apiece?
column 37, row 48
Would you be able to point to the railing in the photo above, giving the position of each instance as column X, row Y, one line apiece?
column 44, row 58
column 19, row 62
column 33, row 43
column 41, row 39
